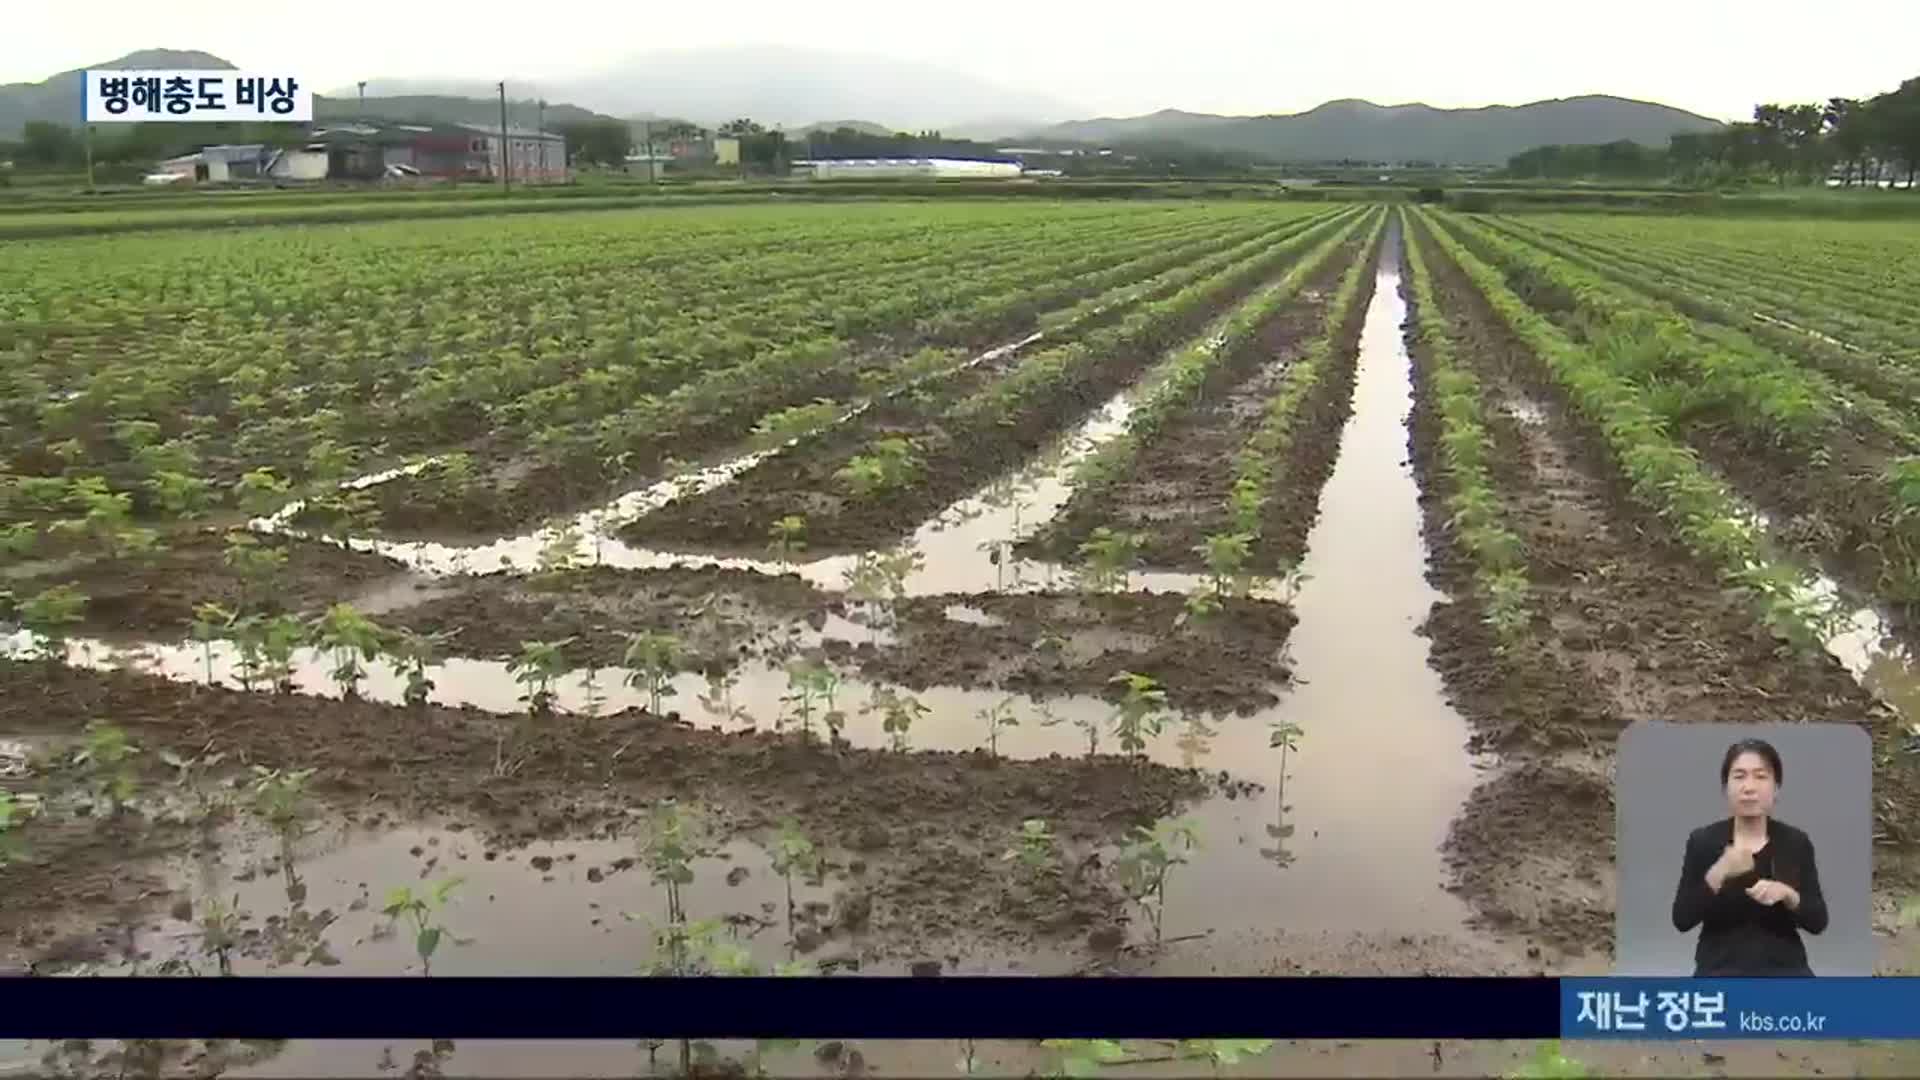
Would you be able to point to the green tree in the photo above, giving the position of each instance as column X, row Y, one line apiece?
column 49, row 145
column 598, row 142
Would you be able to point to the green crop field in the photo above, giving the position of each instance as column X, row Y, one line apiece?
column 1094, row 586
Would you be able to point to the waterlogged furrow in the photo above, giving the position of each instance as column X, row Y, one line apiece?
column 1476, row 517
column 1662, row 474
column 1196, row 403
column 926, row 452
column 1268, row 465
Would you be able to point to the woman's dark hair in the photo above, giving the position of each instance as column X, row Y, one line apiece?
column 1753, row 746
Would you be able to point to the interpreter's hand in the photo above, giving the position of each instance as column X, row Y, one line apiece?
column 1770, row 892
column 1735, row 861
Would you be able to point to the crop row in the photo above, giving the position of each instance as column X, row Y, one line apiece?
column 1873, row 384
column 1815, row 300
column 964, row 435
column 1664, row 475
column 1856, row 487
column 1476, row 517
column 123, row 399
column 722, row 406
column 1178, row 384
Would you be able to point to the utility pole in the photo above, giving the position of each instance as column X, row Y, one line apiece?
column 363, row 99
column 540, row 125
column 506, row 178
column 653, row 167
column 89, row 159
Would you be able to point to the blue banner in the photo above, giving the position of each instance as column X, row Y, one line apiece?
column 1683, row 1008
column 802, row 1008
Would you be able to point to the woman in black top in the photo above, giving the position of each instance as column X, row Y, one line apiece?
column 1749, row 882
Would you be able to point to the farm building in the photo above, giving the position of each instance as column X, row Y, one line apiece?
column 532, row 156
column 907, row 168
column 217, row 164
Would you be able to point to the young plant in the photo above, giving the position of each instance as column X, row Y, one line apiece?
column 220, row 931
column 1550, row 1062
column 811, row 686
column 423, row 910
column 410, row 654
column 718, row 700
column 1226, row 556
column 277, row 798
column 880, row 579
column 1082, row 1057
column 179, row 495
column 280, row 635
column 211, row 623
column 560, row 553
column 888, row 465
column 655, row 658
column 1033, row 847
column 260, row 492
column 1284, row 736
column 350, row 638
column 669, row 849
column 1148, row 860
column 1110, row 557
column 1219, row 1052
column 782, row 426
column 257, row 565
column 898, row 710
column 997, row 718
column 794, row 852
column 107, row 755
column 49, row 615
column 14, row 812
column 1140, row 713
column 788, row 538
column 540, row 665
column 1089, row 725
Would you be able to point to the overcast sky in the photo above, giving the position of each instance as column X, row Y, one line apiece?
column 1711, row 56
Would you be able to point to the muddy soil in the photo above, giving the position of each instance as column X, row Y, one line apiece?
column 1627, row 628
column 930, row 827
column 955, row 460
column 1175, row 492
column 1054, row 644
column 156, row 595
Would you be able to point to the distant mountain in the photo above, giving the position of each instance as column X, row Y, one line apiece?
column 1360, row 130
column 56, row 99
column 446, row 109
column 864, row 127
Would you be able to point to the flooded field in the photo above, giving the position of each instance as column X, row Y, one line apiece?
column 991, row 721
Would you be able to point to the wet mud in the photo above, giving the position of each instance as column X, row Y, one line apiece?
column 930, row 829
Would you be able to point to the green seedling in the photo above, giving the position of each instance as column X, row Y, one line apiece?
column 1221, row 1052
column 211, row 623
column 280, row 635
column 1550, row 1063
column 1200, row 608
column 540, row 665
column 811, row 687
column 888, row 465
column 1089, row 725
column 190, row 775
column 782, row 426
column 220, row 931
column 1141, row 713
column 423, row 910
column 882, row 579
column 410, row 654
column 179, row 495
column 350, row 638
column 789, row 538
column 1110, row 557
column 260, row 492
column 1147, row 862
column 278, row 798
column 898, row 710
column 107, row 755
column 1226, row 556
column 655, row 658
column 997, row 718
column 1284, row 736
column 1082, row 1057
column 256, row 564
column 560, row 553
column 1033, row 847
column 1507, row 612
column 794, row 852
column 671, row 845
column 49, row 616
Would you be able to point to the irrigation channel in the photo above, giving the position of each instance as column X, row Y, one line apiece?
column 1333, row 866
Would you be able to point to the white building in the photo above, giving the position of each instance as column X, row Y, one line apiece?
column 532, row 156
column 911, row 169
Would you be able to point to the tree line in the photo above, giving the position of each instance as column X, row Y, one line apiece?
column 1863, row 140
